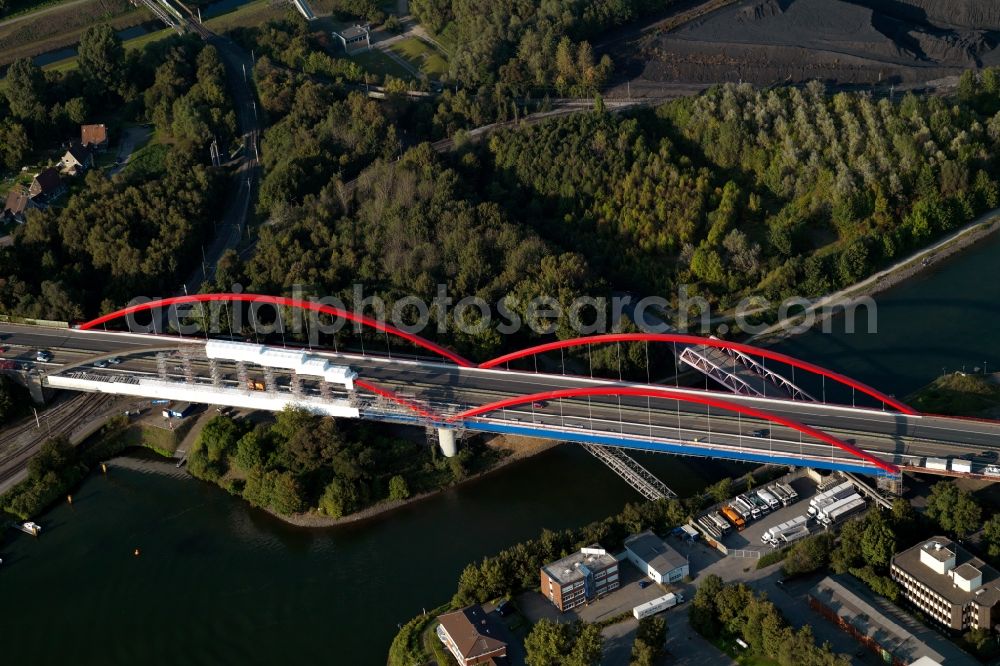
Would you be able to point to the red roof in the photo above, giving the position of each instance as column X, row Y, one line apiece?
column 17, row 201
column 93, row 134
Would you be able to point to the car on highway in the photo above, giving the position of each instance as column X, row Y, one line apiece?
column 4, row 350
column 760, row 432
column 539, row 404
column 101, row 364
column 43, row 355
column 114, row 360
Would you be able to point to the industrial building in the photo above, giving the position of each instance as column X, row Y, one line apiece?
column 879, row 625
column 655, row 558
column 948, row 584
column 471, row 637
column 578, row 578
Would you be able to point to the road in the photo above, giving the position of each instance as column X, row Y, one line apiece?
column 447, row 389
column 239, row 71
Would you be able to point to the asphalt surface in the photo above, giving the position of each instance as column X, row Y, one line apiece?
column 446, row 390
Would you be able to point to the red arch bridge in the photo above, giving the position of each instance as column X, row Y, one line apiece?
column 761, row 413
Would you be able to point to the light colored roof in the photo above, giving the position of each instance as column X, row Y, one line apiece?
column 353, row 31
column 942, row 584
column 879, row 620
column 572, row 567
column 652, row 550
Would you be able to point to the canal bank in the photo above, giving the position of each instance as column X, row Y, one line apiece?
column 220, row 582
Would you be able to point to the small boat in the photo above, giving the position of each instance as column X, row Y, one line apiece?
column 30, row 527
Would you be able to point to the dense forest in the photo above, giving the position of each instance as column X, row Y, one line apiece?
column 788, row 191
column 302, row 462
column 529, row 46
column 134, row 233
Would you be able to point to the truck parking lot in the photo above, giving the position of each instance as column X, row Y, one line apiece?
column 750, row 537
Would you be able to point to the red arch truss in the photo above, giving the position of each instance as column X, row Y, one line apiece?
column 286, row 302
column 666, row 394
column 681, row 338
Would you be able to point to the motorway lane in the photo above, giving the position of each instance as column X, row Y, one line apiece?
column 449, row 386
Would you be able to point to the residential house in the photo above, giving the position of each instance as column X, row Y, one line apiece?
column 18, row 203
column 471, row 637
column 46, row 187
column 94, row 137
column 77, row 159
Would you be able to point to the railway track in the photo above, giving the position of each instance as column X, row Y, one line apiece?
column 62, row 420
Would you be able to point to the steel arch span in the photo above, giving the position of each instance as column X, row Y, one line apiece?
column 667, row 394
column 285, row 302
column 682, row 338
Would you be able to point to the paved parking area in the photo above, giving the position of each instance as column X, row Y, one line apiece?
column 749, row 538
column 534, row 606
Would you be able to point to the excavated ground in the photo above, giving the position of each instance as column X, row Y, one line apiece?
column 846, row 42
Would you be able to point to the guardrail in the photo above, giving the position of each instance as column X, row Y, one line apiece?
column 27, row 321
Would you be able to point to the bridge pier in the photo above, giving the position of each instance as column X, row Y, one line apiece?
column 446, row 440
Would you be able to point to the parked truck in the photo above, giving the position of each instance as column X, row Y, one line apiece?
column 936, row 463
column 792, row 495
column 960, row 465
column 836, row 504
column 791, row 536
column 743, row 507
column 780, row 493
column 710, row 527
column 768, row 497
column 829, row 497
column 720, row 522
column 734, row 517
column 657, row 605
column 770, row 535
column 755, row 508
column 842, row 510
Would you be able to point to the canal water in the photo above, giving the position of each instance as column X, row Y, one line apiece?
column 218, row 582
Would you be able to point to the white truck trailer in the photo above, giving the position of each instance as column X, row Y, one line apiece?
column 831, row 496
column 657, row 605
column 937, row 463
column 768, row 497
column 780, row 493
column 842, row 510
column 793, row 496
column 770, row 534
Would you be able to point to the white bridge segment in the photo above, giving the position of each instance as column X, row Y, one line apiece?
column 300, row 362
column 202, row 393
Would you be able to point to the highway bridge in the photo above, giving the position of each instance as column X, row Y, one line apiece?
column 454, row 395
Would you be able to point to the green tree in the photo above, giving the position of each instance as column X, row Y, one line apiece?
column 991, row 535
column 398, row 490
column 14, row 144
column 25, row 90
column 102, row 57
column 546, row 643
column 586, row 647
column 878, row 543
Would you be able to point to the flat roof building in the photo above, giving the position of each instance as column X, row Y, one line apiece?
column 471, row 637
column 576, row 579
column 879, row 625
column 653, row 557
column 949, row 584
column 355, row 39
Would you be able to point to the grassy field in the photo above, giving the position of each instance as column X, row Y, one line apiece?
column 422, row 56
column 380, row 64
column 957, row 394
column 17, row 8
column 147, row 161
column 250, row 14
column 64, row 26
